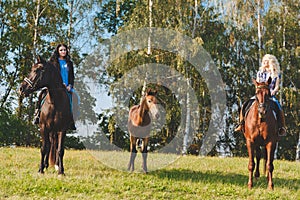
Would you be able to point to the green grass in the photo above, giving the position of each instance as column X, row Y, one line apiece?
column 188, row 177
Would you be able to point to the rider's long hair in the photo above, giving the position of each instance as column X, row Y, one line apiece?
column 55, row 56
column 274, row 66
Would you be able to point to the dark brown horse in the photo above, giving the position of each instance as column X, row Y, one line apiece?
column 55, row 117
column 139, row 126
column 261, row 131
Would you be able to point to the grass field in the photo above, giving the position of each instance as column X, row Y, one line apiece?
column 188, row 177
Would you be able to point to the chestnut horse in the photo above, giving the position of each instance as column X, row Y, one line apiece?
column 55, row 116
column 139, row 126
column 261, row 130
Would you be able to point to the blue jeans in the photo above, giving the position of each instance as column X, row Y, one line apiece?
column 70, row 99
column 277, row 102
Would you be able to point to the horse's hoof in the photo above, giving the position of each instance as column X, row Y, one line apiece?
column 250, row 185
column 61, row 175
column 130, row 170
column 56, row 167
column 145, row 171
column 271, row 186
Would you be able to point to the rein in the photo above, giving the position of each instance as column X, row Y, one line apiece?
column 29, row 82
column 262, row 87
column 32, row 84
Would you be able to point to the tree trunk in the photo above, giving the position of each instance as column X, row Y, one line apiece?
column 298, row 150
column 259, row 30
column 71, row 6
column 36, row 23
column 186, row 138
column 150, row 26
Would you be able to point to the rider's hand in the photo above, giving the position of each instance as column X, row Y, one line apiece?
column 69, row 87
column 273, row 93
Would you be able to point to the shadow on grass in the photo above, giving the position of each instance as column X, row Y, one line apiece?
column 213, row 177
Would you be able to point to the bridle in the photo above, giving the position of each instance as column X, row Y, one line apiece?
column 29, row 82
column 262, row 106
column 37, row 78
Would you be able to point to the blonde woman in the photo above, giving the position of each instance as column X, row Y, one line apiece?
column 269, row 69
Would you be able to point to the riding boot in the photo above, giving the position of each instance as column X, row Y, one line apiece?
column 281, row 123
column 240, row 126
column 72, row 125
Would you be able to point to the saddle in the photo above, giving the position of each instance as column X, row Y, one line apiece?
column 246, row 107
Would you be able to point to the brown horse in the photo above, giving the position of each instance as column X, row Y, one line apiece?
column 261, row 130
column 55, row 116
column 139, row 126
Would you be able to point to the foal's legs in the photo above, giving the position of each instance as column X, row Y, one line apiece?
column 145, row 154
column 133, row 153
column 251, row 163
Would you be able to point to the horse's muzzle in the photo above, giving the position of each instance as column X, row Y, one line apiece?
column 23, row 91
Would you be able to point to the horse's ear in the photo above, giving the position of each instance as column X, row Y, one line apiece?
column 151, row 92
column 40, row 59
column 148, row 91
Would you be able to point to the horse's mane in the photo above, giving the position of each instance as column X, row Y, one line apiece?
column 51, row 67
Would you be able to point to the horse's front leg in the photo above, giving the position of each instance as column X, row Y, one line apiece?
column 44, row 150
column 145, row 154
column 270, row 148
column 133, row 153
column 258, row 157
column 60, row 152
column 251, row 163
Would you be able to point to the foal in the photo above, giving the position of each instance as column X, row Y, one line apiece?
column 139, row 126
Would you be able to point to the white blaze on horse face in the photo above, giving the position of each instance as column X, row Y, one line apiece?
column 153, row 108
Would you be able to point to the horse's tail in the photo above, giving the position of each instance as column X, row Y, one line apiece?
column 52, row 153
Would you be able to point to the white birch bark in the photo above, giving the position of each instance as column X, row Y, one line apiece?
column 259, row 30
column 71, row 7
column 150, row 26
column 186, row 138
column 36, row 23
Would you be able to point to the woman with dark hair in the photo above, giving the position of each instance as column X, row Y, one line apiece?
column 62, row 61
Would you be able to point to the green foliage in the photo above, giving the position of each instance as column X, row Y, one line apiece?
column 14, row 131
column 233, row 45
column 73, row 142
column 226, row 29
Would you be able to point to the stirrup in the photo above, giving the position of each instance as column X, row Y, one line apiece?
column 36, row 120
column 72, row 127
column 282, row 132
column 238, row 128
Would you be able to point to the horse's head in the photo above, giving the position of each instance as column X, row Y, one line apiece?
column 36, row 78
column 152, row 103
column 262, row 95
